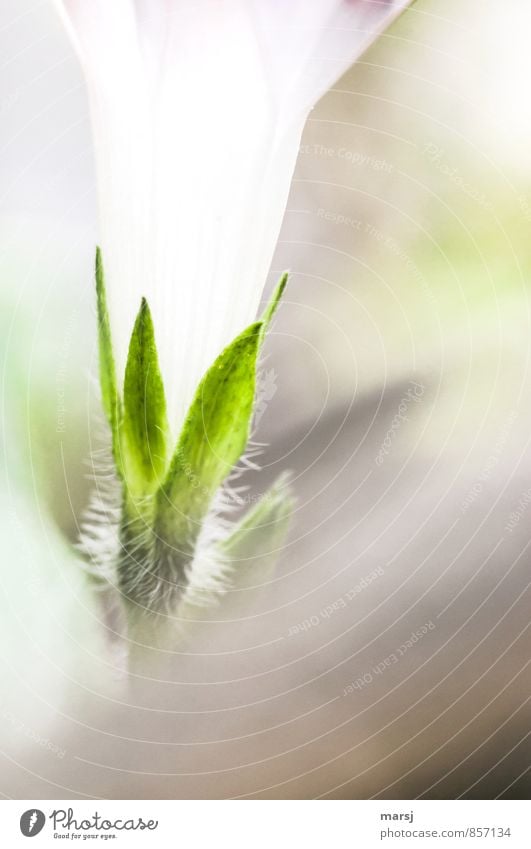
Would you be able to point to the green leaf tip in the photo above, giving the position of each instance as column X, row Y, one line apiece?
column 145, row 426
column 215, row 432
column 274, row 301
column 107, row 370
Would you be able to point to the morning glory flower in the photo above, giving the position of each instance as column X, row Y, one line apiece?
column 197, row 111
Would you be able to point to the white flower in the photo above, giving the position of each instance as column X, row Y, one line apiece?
column 198, row 108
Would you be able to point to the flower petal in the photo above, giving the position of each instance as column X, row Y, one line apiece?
column 198, row 109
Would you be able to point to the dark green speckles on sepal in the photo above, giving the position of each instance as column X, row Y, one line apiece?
column 272, row 306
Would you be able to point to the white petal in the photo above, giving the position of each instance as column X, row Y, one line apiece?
column 310, row 45
column 198, row 108
column 216, row 219
column 105, row 36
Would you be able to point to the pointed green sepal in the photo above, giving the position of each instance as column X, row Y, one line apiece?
column 212, row 440
column 145, row 426
column 109, row 390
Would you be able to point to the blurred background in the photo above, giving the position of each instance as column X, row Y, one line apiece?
column 387, row 656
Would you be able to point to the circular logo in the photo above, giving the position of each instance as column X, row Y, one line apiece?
column 31, row 822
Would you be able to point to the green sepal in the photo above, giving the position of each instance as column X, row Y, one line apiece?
column 112, row 404
column 145, row 426
column 212, row 440
column 259, row 535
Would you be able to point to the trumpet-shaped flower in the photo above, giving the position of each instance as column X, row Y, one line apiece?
column 197, row 109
